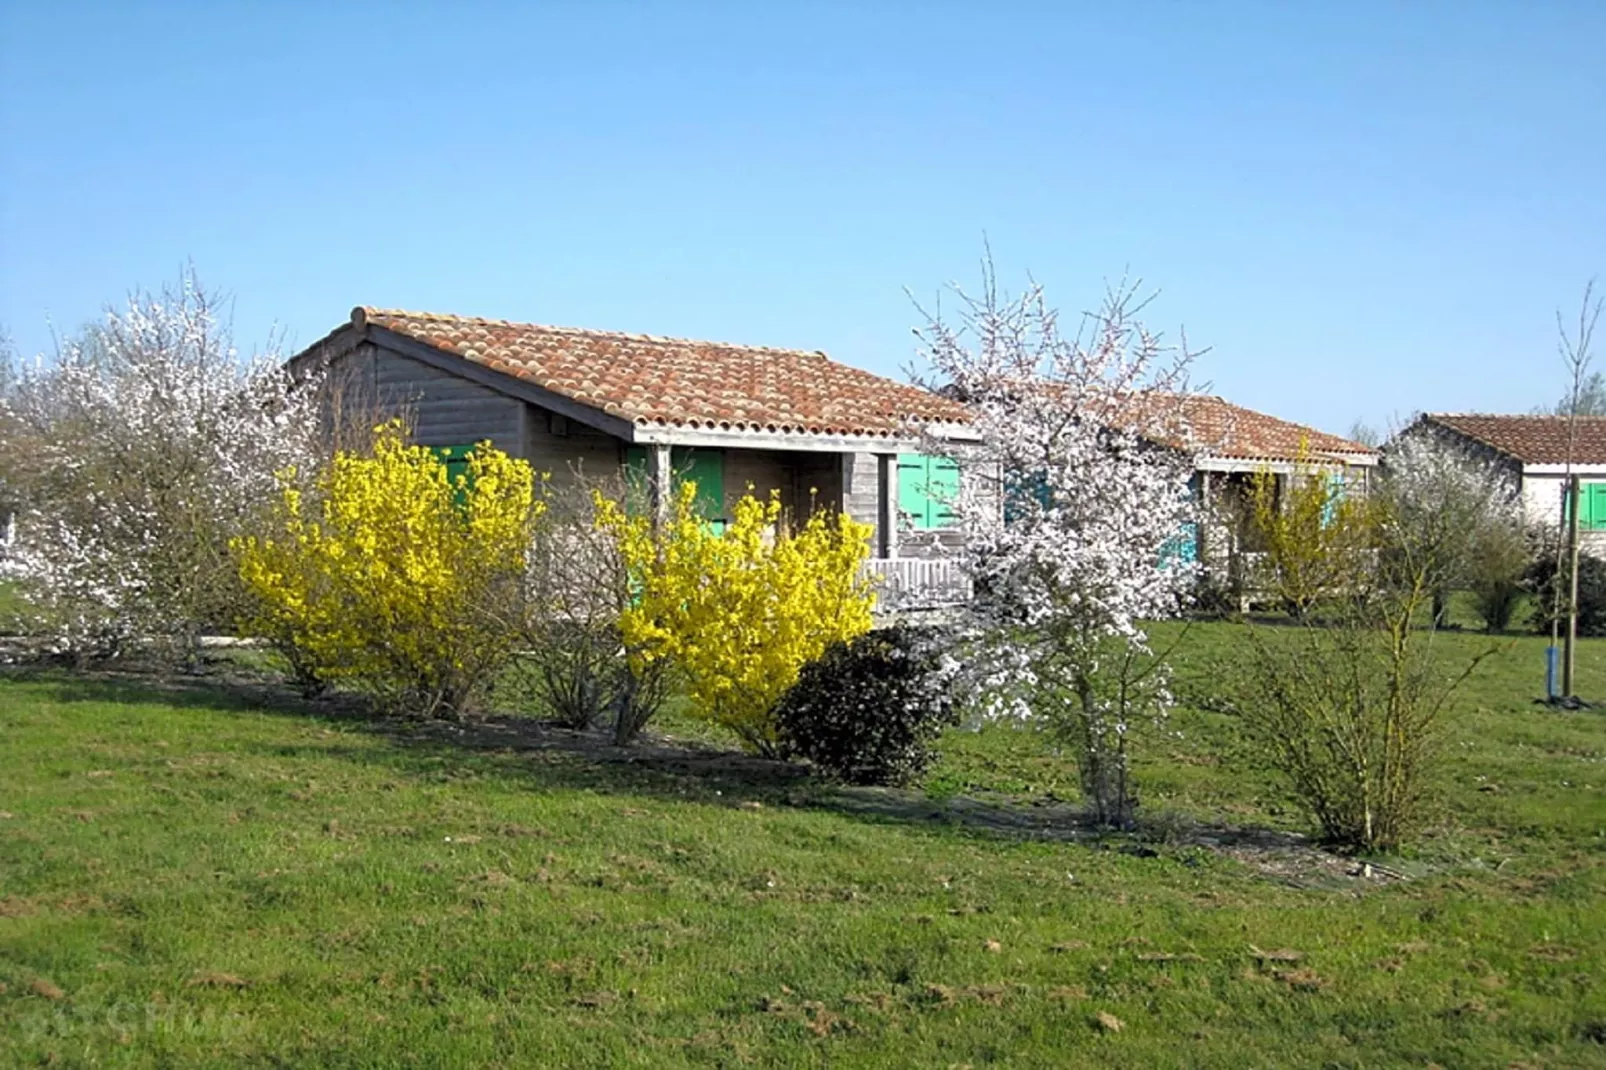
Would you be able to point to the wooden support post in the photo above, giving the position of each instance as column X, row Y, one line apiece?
column 1569, row 652
column 659, row 479
column 887, row 482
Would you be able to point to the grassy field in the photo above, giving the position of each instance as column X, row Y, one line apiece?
column 200, row 875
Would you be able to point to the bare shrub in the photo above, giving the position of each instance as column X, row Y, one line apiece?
column 574, row 660
column 1348, row 703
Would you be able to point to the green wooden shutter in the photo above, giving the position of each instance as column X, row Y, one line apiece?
column 1592, row 515
column 926, row 488
column 1591, row 506
column 706, row 468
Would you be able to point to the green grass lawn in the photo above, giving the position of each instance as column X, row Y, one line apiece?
column 200, row 876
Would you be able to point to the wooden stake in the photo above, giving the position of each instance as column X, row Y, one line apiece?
column 1568, row 653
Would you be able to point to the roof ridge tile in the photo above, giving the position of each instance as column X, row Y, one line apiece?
column 658, row 339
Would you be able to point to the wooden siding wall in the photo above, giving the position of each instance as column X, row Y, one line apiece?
column 1225, row 514
column 448, row 410
column 860, row 482
column 793, row 474
column 765, row 470
column 350, row 407
column 564, row 449
column 819, row 473
column 370, row 383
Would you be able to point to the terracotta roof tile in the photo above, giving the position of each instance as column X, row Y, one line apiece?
column 1530, row 439
column 653, row 381
column 656, row 381
column 1216, row 427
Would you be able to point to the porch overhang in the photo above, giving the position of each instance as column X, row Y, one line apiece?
column 795, row 441
column 1281, row 466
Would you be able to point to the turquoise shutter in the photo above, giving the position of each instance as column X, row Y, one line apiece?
column 1023, row 489
column 913, row 501
column 1335, row 494
column 926, row 488
column 1183, row 547
column 943, row 491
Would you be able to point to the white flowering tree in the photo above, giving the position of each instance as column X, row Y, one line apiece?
column 1071, row 515
column 134, row 455
column 8, row 383
column 1464, row 517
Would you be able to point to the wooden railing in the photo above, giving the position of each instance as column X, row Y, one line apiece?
column 919, row 582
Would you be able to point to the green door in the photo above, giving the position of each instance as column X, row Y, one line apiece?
column 456, row 461
column 706, row 468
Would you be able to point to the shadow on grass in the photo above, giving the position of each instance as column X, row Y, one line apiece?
column 530, row 752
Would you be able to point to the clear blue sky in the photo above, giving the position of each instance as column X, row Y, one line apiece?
column 1363, row 208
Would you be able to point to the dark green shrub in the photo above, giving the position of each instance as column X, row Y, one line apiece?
column 868, row 711
column 1591, row 593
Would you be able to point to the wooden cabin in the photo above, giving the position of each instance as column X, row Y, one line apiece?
column 731, row 417
column 1535, row 455
column 1230, row 447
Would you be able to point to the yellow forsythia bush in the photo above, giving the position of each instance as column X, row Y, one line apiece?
column 1313, row 534
column 393, row 577
column 738, row 615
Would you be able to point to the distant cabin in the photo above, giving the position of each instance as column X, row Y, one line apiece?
column 1230, row 447
column 1534, row 454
